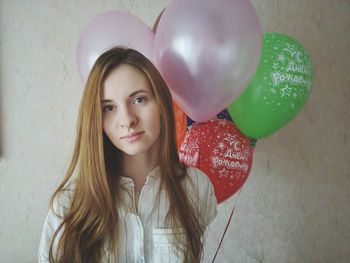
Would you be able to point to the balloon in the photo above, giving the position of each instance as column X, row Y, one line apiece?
column 180, row 124
column 207, row 51
column 221, row 115
column 278, row 90
column 220, row 150
column 226, row 116
column 109, row 29
column 180, row 116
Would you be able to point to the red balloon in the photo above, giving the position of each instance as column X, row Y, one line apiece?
column 219, row 149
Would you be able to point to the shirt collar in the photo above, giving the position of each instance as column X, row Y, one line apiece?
column 152, row 175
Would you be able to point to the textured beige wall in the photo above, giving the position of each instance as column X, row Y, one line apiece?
column 294, row 206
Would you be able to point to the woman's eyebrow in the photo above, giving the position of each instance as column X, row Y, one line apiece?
column 137, row 91
column 131, row 95
column 104, row 101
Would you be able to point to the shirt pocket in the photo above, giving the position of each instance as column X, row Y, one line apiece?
column 167, row 248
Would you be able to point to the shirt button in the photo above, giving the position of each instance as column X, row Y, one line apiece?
column 140, row 260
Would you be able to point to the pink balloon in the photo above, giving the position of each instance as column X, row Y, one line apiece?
column 109, row 29
column 207, row 51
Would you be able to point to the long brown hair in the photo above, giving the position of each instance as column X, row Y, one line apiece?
column 92, row 217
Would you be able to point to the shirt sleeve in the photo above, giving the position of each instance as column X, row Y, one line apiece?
column 206, row 196
column 53, row 220
column 209, row 212
column 51, row 224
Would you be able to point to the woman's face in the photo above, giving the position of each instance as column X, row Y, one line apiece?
column 131, row 117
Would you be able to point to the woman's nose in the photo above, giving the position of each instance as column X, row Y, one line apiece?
column 127, row 118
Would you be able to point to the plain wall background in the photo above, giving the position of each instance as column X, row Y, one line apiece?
column 294, row 206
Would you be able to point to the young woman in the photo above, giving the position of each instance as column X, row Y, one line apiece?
column 125, row 196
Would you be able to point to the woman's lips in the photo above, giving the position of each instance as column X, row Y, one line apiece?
column 131, row 137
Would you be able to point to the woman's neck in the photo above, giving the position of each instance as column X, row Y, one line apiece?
column 137, row 167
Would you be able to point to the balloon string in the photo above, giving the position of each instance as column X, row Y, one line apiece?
column 228, row 223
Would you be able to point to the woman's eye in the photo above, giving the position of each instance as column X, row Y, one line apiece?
column 139, row 100
column 108, row 108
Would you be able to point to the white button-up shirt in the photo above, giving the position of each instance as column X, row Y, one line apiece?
column 144, row 236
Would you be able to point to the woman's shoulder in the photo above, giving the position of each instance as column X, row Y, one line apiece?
column 54, row 218
column 201, row 192
column 63, row 198
column 198, row 181
column 198, row 176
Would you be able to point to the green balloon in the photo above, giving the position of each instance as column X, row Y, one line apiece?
column 277, row 91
